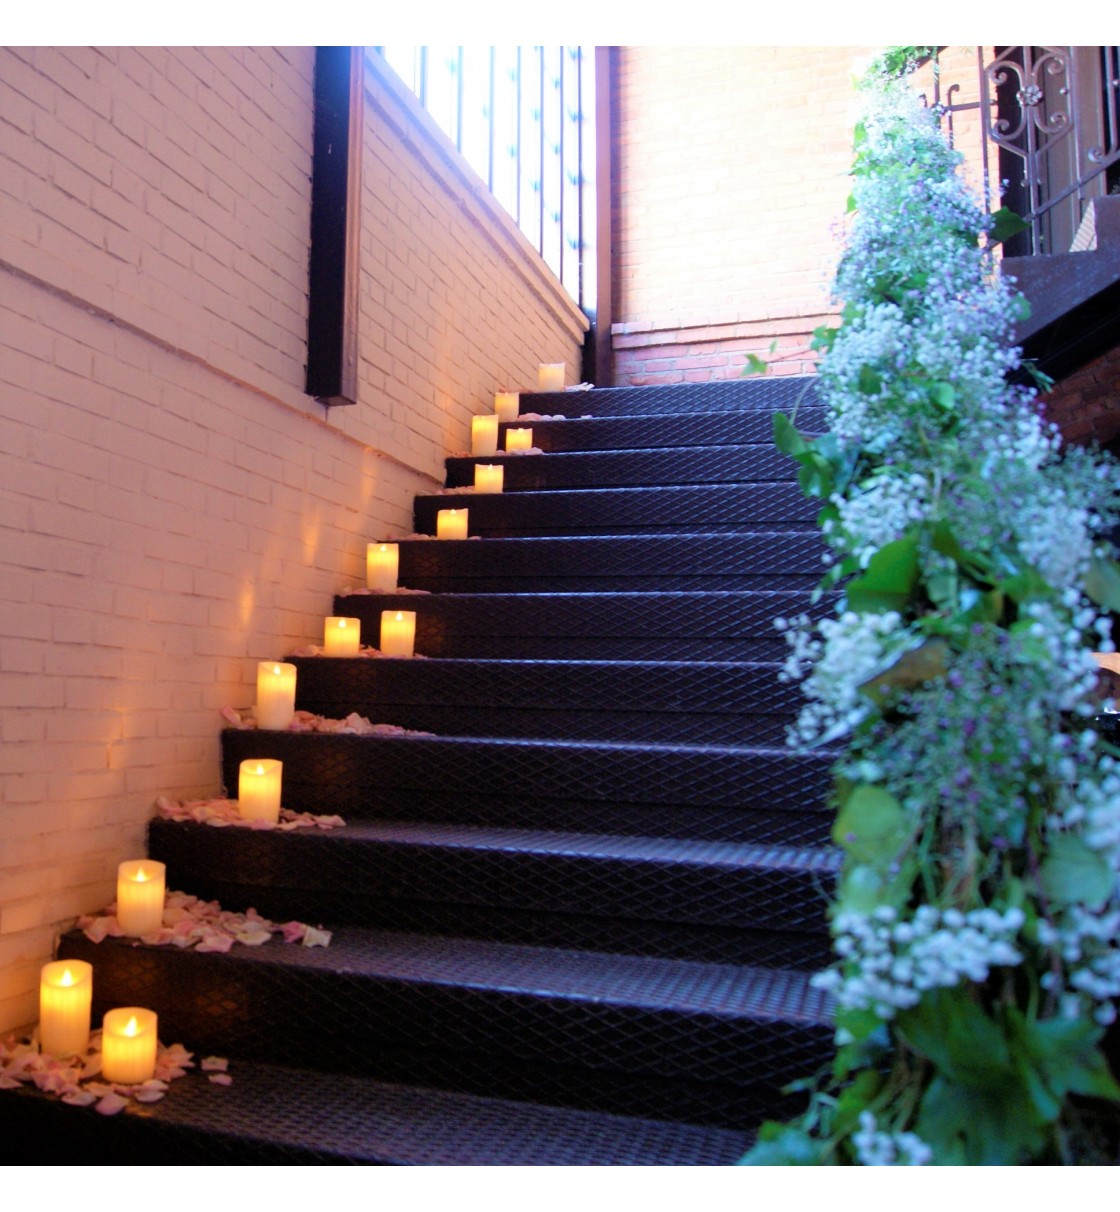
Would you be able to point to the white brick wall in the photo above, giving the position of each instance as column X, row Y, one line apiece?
column 173, row 508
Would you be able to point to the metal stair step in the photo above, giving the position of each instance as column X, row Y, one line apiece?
column 698, row 792
column 763, row 393
column 707, row 702
column 710, row 508
column 634, row 1035
column 718, row 625
column 718, row 901
column 285, row 1115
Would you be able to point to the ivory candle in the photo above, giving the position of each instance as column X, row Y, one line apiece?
column 398, row 632
column 128, row 1045
column 484, row 435
column 489, row 477
column 258, row 789
column 452, row 523
column 342, row 637
column 276, row 694
column 519, row 439
column 65, row 992
column 550, row 376
column 507, row 405
column 140, row 893
column 382, row 565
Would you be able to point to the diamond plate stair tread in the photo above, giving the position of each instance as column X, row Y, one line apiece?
column 274, row 1115
column 693, row 791
column 772, row 393
column 660, row 431
column 718, row 508
column 354, row 872
column 698, row 625
column 772, row 559
column 754, row 463
column 700, row 701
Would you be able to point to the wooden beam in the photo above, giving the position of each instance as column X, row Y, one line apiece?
column 336, row 177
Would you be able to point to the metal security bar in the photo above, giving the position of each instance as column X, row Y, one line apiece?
column 1050, row 134
column 523, row 118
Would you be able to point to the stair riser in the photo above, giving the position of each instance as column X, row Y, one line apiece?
column 688, row 430
column 623, row 1058
column 629, row 469
column 766, row 560
column 772, row 394
column 697, row 627
column 614, row 701
column 354, row 880
column 716, row 509
column 703, row 795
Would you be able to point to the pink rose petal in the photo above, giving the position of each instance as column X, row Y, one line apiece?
column 148, row 1096
column 221, row 1079
column 79, row 1098
column 111, row 1104
column 214, row 1064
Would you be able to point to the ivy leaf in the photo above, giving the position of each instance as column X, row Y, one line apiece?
column 870, row 381
column 871, row 826
column 1065, row 1056
column 823, row 337
column 980, row 1127
column 1102, row 583
column 786, row 437
column 1005, row 224
column 1072, row 873
column 889, row 580
column 914, row 668
column 755, row 366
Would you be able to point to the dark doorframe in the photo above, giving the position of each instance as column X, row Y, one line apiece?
column 336, row 175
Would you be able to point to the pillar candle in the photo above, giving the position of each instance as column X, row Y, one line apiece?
column 65, row 992
column 452, row 523
column 398, row 632
column 489, row 477
column 276, row 694
column 550, row 377
column 484, row 435
column 342, row 637
column 140, row 893
column 507, row 405
column 382, row 564
column 258, row 789
column 128, row 1045
column 519, row 439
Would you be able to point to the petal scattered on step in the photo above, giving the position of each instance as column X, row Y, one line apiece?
column 214, row 1064
column 221, row 1079
column 111, row 1104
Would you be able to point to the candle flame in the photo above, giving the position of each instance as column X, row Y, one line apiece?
column 141, row 876
column 383, row 548
column 260, row 768
column 400, row 617
column 342, row 624
column 276, row 670
column 67, row 978
column 133, row 1027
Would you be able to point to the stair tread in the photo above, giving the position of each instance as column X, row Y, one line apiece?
column 728, row 992
column 332, row 1118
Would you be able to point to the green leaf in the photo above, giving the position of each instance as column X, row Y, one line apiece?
column 952, row 1030
column 1065, row 1056
column 980, row 1127
column 786, row 437
column 888, row 582
column 1102, row 583
column 823, row 337
column 871, row 826
column 787, row 1146
column 1073, row 873
column 1005, row 224
column 855, row 1099
column 944, row 395
column 755, row 366
column 914, row 668
column 870, row 382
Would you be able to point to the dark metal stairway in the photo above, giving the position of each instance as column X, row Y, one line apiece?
column 576, row 926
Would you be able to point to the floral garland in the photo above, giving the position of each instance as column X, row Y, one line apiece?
column 976, row 924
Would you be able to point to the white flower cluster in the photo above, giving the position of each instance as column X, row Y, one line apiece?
column 1057, row 637
column 886, row 964
column 854, row 649
column 876, row 1148
column 879, row 514
column 1089, row 945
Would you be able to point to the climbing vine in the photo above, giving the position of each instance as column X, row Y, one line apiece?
column 976, row 921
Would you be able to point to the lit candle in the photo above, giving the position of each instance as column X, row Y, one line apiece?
column 128, row 1045
column 140, row 889
column 65, row 991
column 550, row 377
column 489, row 477
column 398, row 632
column 519, row 439
column 452, row 523
column 484, row 435
column 382, row 564
column 341, row 637
column 258, row 789
column 276, row 694
column 507, row 405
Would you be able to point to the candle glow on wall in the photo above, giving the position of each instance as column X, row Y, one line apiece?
column 382, row 566
column 276, row 694
column 258, row 789
column 65, row 994
column 128, row 1045
column 452, row 523
column 141, row 884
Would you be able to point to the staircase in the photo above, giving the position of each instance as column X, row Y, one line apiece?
column 576, row 924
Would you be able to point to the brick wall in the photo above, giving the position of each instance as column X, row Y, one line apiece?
column 731, row 168
column 173, row 508
column 1086, row 405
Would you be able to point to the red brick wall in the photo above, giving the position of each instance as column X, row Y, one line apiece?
column 1086, row 405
